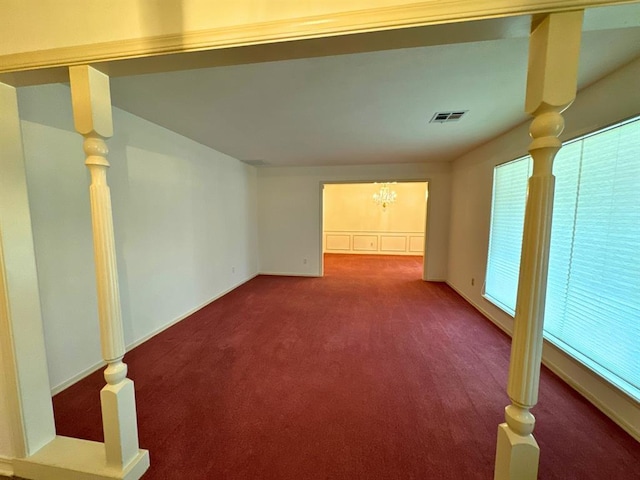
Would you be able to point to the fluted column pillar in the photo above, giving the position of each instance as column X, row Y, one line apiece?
column 92, row 116
column 551, row 87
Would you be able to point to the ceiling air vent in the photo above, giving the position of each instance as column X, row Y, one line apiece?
column 445, row 117
column 255, row 163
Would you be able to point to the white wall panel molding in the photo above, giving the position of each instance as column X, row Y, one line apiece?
column 367, row 243
column 229, row 27
column 338, row 242
column 374, row 242
column 393, row 243
column 416, row 244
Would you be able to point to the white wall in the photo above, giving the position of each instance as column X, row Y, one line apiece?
column 184, row 219
column 610, row 100
column 290, row 226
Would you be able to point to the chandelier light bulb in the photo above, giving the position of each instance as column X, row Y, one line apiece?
column 385, row 196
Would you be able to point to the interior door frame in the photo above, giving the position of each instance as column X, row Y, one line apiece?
column 427, row 230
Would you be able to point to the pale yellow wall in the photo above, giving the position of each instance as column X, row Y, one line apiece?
column 350, row 207
column 354, row 223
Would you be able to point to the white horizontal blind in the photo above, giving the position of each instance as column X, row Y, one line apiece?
column 505, row 242
column 566, row 169
column 593, row 289
column 593, row 294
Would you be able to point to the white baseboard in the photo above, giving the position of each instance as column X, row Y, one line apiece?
column 608, row 399
column 290, row 274
column 614, row 403
column 502, row 326
column 89, row 370
column 143, row 339
column 6, row 467
column 77, row 377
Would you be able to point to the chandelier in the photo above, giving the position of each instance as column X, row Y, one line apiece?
column 385, row 196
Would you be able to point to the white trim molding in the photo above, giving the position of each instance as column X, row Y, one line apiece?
column 290, row 28
column 374, row 242
column 6, row 467
column 291, row 274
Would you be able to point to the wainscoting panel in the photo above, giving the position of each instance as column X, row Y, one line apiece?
column 381, row 243
column 338, row 242
column 416, row 244
column 393, row 243
column 365, row 242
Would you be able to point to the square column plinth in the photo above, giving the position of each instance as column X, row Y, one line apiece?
column 67, row 458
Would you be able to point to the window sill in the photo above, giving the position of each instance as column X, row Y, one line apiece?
column 626, row 389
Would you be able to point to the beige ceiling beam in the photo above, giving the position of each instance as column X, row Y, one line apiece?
column 289, row 26
column 494, row 29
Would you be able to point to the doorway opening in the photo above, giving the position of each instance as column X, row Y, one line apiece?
column 385, row 219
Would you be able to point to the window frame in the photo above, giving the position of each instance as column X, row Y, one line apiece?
column 629, row 390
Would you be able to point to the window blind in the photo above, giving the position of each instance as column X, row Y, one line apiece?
column 505, row 242
column 593, row 289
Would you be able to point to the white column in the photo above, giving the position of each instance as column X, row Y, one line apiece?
column 551, row 87
column 92, row 116
column 26, row 416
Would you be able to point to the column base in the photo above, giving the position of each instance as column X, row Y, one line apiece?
column 67, row 458
column 516, row 455
column 119, row 422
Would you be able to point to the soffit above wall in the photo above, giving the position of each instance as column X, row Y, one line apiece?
column 360, row 99
column 37, row 34
column 362, row 108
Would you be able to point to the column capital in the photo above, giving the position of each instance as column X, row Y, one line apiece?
column 91, row 99
column 554, row 52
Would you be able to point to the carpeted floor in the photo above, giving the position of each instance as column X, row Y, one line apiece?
column 367, row 373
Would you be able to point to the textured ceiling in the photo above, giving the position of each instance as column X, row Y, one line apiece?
column 359, row 108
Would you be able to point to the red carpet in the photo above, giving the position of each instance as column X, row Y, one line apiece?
column 367, row 373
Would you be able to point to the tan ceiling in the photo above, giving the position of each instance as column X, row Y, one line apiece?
column 370, row 107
